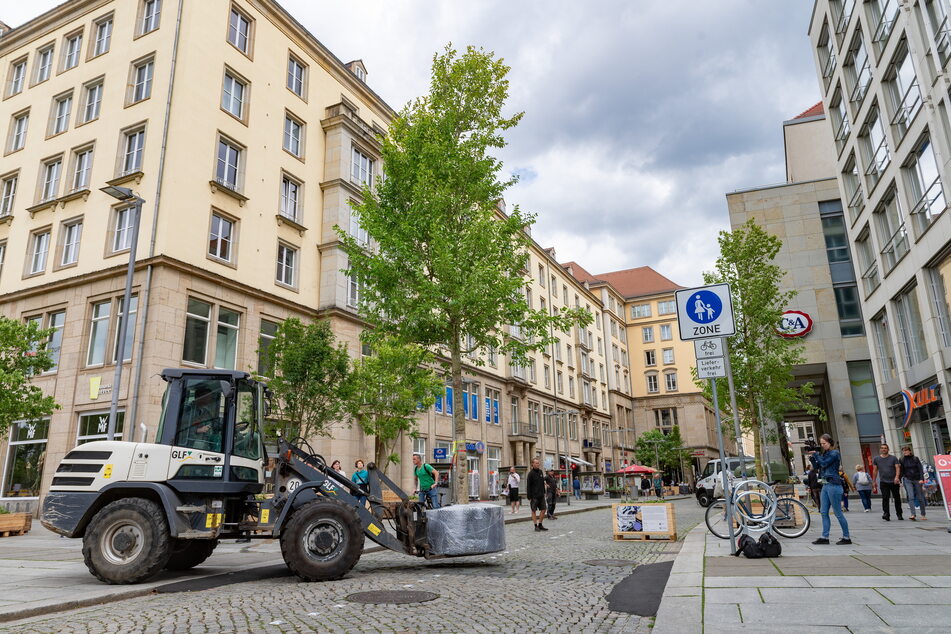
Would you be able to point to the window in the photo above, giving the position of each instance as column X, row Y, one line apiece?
column 867, row 262
column 874, row 148
column 130, row 334
column 840, row 119
column 62, row 107
column 228, row 164
column 640, row 310
column 356, row 228
column 883, row 346
column 362, row 169
column 901, row 87
column 666, row 333
column 239, row 30
column 25, row 459
column 72, row 234
column 44, row 64
column 3, row 254
column 547, row 374
column 18, row 131
column 286, row 263
column 220, row 238
column 647, row 334
column 82, row 166
column 99, row 333
column 122, row 229
column 93, row 101
column 554, row 287
column 668, row 356
column 910, row 327
column 924, row 186
column 233, row 95
column 50, row 183
column 293, row 135
column 665, row 417
column 103, row 36
column 541, row 275
column 197, row 325
column 532, row 371
column 650, row 357
column 55, row 321
column 151, row 12
column 141, row 84
column 17, row 77
column 837, row 244
column 826, row 55
column 883, row 14
column 652, row 387
column 842, row 14
column 850, row 311
column 265, row 337
column 559, row 382
column 891, row 230
column 571, row 386
column 296, row 76
column 95, row 426
column 353, row 291
column 8, row 192
column 290, row 198
column 939, row 301
column 858, row 73
column 226, row 339
column 667, row 307
column 937, row 13
column 670, row 381
column 132, row 152
column 853, row 188
column 74, row 44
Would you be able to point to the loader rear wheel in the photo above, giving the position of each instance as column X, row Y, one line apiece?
column 322, row 541
column 127, row 541
column 188, row 553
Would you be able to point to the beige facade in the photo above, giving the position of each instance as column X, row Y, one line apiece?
column 883, row 70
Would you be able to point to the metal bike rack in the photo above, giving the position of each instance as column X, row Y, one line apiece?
column 754, row 525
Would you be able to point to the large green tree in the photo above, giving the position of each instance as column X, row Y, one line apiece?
column 446, row 269
column 388, row 389
column 23, row 354
column 761, row 360
column 669, row 448
column 311, row 379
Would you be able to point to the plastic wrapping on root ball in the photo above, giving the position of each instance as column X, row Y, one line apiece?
column 466, row 529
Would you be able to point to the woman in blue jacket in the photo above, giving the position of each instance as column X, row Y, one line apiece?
column 828, row 461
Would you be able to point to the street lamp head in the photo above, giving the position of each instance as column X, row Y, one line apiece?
column 119, row 193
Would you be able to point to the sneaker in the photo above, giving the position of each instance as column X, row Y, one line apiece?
column 867, row 510
column 912, row 518
column 901, row 519
column 845, row 541
column 542, row 528
column 821, row 541
column 886, row 518
column 538, row 527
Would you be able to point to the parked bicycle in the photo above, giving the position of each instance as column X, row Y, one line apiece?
column 791, row 518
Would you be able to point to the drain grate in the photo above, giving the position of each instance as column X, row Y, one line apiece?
column 611, row 562
column 397, row 597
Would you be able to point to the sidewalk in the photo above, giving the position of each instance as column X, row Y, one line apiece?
column 895, row 576
column 44, row 573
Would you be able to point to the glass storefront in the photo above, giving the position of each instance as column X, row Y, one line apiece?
column 25, row 458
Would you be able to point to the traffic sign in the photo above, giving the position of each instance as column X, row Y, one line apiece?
column 714, row 368
column 704, row 312
column 709, row 348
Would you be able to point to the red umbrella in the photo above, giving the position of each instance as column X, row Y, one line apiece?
column 635, row 469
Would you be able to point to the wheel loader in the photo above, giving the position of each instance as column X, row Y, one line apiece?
column 143, row 507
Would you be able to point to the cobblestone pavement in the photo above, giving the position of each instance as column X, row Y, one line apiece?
column 539, row 584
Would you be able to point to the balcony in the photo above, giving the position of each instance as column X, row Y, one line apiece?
column 592, row 444
column 524, row 431
column 931, row 205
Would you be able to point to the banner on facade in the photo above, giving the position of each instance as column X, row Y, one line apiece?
column 942, row 465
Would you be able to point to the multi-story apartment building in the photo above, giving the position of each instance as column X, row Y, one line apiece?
column 883, row 72
column 806, row 213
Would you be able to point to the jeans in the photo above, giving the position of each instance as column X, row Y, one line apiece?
column 433, row 496
column 915, row 494
column 890, row 489
column 831, row 497
column 578, row 494
column 866, row 496
column 552, row 500
column 845, row 499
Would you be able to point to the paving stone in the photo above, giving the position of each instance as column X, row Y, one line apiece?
column 938, row 581
column 822, row 596
column 917, row 616
column 766, row 617
column 721, row 613
column 685, row 579
column 917, row 596
column 772, row 581
column 879, row 581
column 732, row 595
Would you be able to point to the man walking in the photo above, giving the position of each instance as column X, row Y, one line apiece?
column 552, row 486
column 886, row 471
column 913, row 477
column 426, row 475
column 536, row 494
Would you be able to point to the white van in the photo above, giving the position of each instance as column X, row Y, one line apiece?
column 706, row 483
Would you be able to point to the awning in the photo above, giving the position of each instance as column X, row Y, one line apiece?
column 577, row 461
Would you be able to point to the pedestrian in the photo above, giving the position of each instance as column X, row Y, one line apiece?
column 815, row 487
column 513, row 482
column 576, row 487
column 536, row 495
column 336, row 467
column 645, row 486
column 886, row 475
column 846, row 487
column 863, row 486
column 658, row 486
column 426, row 476
column 827, row 462
column 552, row 492
column 913, row 478
column 360, row 478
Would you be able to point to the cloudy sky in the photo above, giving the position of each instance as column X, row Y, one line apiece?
column 640, row 115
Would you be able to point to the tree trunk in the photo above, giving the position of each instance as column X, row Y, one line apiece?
column 758, row 450
column 460, row 466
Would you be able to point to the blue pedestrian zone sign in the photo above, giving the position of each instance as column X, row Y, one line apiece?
column 705, row 312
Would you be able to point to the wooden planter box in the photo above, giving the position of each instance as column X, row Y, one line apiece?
column 15, row 524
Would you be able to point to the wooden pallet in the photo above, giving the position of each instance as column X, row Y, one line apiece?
column 14, row 524
column 641, row 537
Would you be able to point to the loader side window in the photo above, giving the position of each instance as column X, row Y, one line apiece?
column 201, row 421
column 247, row 438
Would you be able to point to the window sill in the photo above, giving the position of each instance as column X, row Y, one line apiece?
column 74, row 195
column 287, row 286
column 284, row 220
column 6, row 219
column 233, row 265
column 127, row 178
column 224, row 189
column 37, row 208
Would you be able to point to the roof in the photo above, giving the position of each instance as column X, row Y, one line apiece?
column 580, row 273
column 814, row 111
column 639, row 281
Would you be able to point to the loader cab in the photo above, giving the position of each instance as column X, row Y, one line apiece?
column 213, row 420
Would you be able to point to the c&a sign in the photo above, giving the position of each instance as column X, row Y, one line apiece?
column 914, row 400
column 794, row 323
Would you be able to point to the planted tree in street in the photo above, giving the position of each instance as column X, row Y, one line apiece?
column 388, row 389
column 761, row 360
column 23, row 354
column 445, row 268
column 664, row 451
column 310, row 381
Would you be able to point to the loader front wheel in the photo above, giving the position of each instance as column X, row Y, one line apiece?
column 127, row 541
column 322, row 541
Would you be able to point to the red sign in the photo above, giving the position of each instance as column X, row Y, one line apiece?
column 794, row 323
column 943, row 466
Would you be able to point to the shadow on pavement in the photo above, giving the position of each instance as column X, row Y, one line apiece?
column 640, row 592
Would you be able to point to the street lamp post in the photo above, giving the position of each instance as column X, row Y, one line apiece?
column 126, row 195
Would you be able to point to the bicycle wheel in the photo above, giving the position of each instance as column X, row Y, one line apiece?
column 792, row 518
column 715, row 517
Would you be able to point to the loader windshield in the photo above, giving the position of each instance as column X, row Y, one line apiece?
column 201, row 423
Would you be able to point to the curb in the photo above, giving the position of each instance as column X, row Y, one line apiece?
column 681, row 606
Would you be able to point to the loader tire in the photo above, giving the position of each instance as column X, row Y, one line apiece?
column 323, row 540
column 188, row 553
column 127, row 541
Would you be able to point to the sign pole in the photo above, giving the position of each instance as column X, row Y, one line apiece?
column 736, row 414
column 727, row 493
